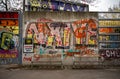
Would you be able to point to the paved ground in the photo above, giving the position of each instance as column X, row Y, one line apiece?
column 60, row 74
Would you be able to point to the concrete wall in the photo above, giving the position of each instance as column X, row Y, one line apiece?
column 55, row 32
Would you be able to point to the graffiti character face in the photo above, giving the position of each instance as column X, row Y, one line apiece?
column 6, row 41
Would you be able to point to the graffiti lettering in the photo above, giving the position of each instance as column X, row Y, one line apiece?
column 8, row 15
column 37, row 57
column 66, row 41
column 54, row 30
column 8, row 55
column 56, row 5
column 61, row 37
column 109, row 23
column 84, row 30
column 36, row 29
column 79, row 31
column 32, row 29
column 27, row 59
column 34, row 3
column 110, row 53
column 6, row 60
column 14, row 29
column 8, row 22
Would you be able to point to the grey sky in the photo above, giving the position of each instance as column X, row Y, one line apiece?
column 103, row 5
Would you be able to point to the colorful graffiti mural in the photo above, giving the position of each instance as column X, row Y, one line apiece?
column 52, row 30
column 56, row 37
column 9, row 36
column 85, row 31
column 109, row 36
column 49, row 32
column 36, row 5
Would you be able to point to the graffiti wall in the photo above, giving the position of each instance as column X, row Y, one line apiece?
column 11, row 5
column 109, row 35
column 52, row 5
column 56, row 34
column 9, row 37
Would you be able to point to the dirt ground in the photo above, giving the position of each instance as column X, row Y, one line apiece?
column 59, row 74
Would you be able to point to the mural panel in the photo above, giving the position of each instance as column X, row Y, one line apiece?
column 52, row 37
column 51, row 5
column 9, row 37
column 109, row 35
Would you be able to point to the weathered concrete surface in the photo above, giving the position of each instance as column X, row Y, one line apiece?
column 60, row 74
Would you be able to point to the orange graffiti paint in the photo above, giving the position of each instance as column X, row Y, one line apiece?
column 8, row 22
column 40, row 27
column 106, row 30
column 92, row 24
column 79, row 32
